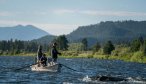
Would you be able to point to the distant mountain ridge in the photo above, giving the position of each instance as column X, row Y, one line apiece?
column 109, row 30
column 116, row 31
column 45, row 39
column 28, row 32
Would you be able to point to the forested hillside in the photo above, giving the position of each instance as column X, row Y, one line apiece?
column 45, row 39
column 117, row 31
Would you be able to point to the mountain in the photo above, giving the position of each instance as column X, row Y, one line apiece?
column 117, row 31
column 20, row 32
column 45, row 39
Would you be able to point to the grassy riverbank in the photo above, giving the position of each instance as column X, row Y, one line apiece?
column 20, row 54
column 123, row 55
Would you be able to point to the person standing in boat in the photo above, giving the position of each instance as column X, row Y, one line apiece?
column 39, row 54
column 54, row 52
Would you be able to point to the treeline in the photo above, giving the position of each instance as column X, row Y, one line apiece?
column 109, row 48
column 16, row 47
column 12, row 47
column 133, row 51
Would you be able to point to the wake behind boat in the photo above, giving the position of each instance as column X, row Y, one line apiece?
column 55, row 67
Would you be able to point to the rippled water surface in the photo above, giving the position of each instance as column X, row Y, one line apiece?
column 134, row 72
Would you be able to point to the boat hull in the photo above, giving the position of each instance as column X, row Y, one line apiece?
column 50, row 68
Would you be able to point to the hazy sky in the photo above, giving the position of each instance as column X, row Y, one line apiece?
column 63, row 16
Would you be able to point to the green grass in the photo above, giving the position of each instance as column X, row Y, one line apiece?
column 125, row 56
column 121, row 54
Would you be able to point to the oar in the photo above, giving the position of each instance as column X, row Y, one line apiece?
column 25, row 67
column 28, row 66
column 68, row 67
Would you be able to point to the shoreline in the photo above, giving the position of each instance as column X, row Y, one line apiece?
column 85, row 55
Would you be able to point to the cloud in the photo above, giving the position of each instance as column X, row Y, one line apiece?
column 55, row 29
column 64, row 11
column 99, row 13
column 113, row 13
column 5, row 14
column 58, row 29
column 77, row 12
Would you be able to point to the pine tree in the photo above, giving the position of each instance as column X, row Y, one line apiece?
column 96, row 47
column 137, row 44
column 62, row 42
column 108, row 48
column 144, row 48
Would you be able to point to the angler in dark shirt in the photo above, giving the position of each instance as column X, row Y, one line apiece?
column 54, row 52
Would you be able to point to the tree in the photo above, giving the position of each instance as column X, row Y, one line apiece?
column 62, row 42
column 85, row 44
column 137, row 44
column 144, row 48
column 96, row 47
column 75, row 47
column 108, row 48
column 141, row 40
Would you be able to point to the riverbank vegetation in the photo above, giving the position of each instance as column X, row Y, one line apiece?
column 133, row 51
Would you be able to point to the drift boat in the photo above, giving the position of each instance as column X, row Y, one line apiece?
column 50, row 67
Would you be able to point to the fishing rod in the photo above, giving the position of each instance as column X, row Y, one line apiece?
column 16, row 69
column 68, row 67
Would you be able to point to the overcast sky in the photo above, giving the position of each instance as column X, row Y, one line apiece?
column 63, row 16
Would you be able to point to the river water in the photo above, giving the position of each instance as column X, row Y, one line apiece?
column 135, row 73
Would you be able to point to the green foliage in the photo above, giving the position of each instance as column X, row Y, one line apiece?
column 101, row 56
column 108, row 48
column 137, row 57
column 143, row 48
column 137, row 44
column 62, row 42
column 16, row 47
column 121, row 50
column 75, row 47
column 70, row 53
column 96, row 47
column 86, row 54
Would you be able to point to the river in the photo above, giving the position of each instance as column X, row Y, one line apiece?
column 86, row 68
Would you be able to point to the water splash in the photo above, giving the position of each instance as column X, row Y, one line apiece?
column 86, row 79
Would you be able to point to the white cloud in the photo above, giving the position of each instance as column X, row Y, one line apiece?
column 5, row 14
column 55, row 29
column 64, row 11
column 58, row 29
column 113, row 13
column 99, row 13
column 77, row 12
